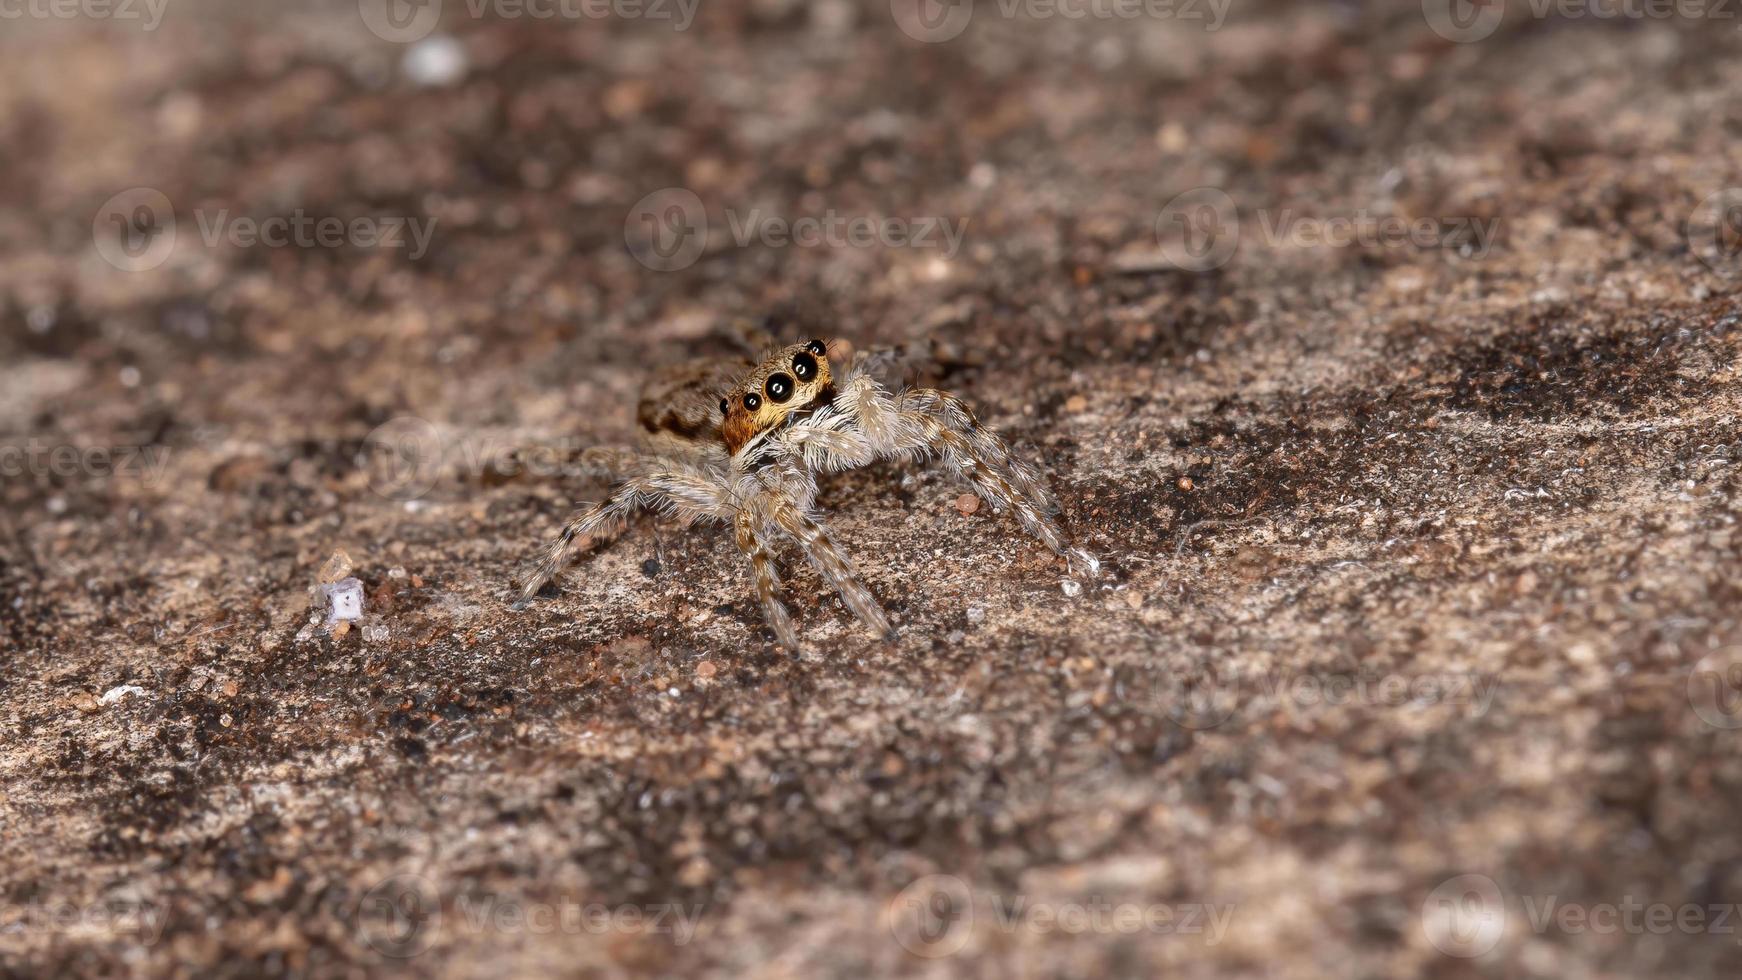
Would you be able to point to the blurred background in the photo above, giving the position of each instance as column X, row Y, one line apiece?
column 1366, row 342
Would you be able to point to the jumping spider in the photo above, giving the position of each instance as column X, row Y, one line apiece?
column 751, row 462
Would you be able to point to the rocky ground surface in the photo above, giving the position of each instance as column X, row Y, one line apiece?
column 1416, row 642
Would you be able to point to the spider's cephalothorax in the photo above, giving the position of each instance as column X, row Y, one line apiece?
column 750, row 460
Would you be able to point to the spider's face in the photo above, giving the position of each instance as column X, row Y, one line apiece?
column 791, row 379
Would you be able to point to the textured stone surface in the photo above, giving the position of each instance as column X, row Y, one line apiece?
column 1502, row 482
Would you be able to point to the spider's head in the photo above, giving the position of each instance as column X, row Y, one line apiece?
column 786, row 381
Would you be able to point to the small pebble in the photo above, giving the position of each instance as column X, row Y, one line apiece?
column 976, row 614
column 397, row 571
column 967, row 504
column 84, row 702
column 650, row 568
column 375, row 632
column 706, row 669
column 336, row 568
column 1072, row 587
column 1185, row 483
column 1076, row 404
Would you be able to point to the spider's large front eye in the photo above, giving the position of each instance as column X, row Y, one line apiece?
column 779, row 388
column 805, row 366
column 725, row 406
column 817, row 347
column 752, row 401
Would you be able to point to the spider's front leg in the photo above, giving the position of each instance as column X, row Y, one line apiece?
column 753, row 543
column 691, row 493
column 926, row 421
column 782, row 509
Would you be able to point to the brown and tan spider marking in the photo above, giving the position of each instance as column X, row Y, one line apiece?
column 750, row 461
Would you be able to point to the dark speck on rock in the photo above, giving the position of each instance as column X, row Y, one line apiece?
column 650, row 568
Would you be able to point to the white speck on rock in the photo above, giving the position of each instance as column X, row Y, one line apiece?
column 115, row 694
column 1072, row 587
column 435, row 61
column 375, row 632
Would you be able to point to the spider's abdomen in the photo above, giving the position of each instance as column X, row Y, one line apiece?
column 684, row 402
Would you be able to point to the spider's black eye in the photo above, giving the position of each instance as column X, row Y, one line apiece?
column 779, row 388
column 724, row 406
column 805, row 366
column 752, row 401
column 817, row 347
